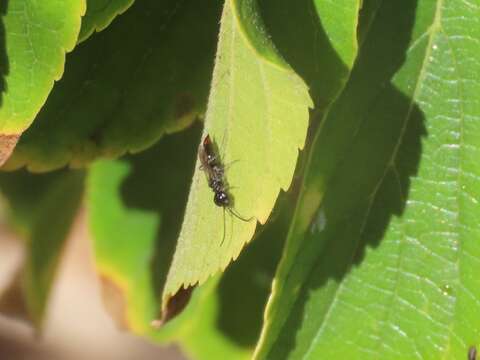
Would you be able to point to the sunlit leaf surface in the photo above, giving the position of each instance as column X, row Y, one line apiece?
column 382, row 257
column 34, row 36
column 257, row 115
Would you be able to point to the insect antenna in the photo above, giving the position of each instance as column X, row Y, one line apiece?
column 224, row 226
column 233, row 213
column 238, row 216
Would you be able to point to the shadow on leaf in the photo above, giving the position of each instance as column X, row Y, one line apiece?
column 123, row 88
column 246, row 284
column 363, row 159
column 299, row 36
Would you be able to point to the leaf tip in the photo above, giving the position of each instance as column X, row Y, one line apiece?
column 173, row 305
column 7, row 144
column 113, row 296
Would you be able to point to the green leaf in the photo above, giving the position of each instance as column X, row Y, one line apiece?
column 34, row 36
column 258, row 116
column 136, row 207
column 245, row 286
column 43, row 207
column 147, row 74
column 23, row 192
column 381, row 256
column 47, row 240
column 230, row 319
column 135, row 211
column 100, row 13
column 200, row 337
column 318, row 38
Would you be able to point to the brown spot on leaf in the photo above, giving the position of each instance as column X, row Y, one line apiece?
column 7, row 144
column 174, row 306
column 115, row 302
column 12, row 300
column 472, row 353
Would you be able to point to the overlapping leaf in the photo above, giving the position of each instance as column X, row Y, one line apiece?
column 22, row 192
column 258, row 116
column 380, row 258
column 231, row 318
column 34, row 36
column 146, row 74
column 318, row 38
column 41, row 208
column 100, row 13
column 136, row 207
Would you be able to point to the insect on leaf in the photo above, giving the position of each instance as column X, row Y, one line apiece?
column 257, row 116
column 135, row 213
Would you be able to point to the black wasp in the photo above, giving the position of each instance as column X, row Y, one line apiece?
column 215, row 171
